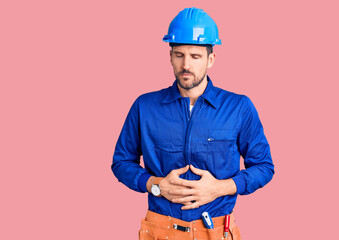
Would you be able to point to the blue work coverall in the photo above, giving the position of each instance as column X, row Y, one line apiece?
column 221, row 127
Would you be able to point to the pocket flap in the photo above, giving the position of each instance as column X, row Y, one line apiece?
column 221, row 134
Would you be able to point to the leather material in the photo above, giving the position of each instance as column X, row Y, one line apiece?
column 160, row 227
column 157, row 180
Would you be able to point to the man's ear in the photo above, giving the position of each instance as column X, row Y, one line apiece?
column 211, row 60
column 171, row 52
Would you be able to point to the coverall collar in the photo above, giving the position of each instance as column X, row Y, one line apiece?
column 209, row 94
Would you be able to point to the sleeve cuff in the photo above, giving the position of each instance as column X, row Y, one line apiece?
column 143, row 181
column 240, row 182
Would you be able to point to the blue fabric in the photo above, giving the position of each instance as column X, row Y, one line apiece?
column 222, row 127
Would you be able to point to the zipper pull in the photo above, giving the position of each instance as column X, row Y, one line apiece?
column 210, row 139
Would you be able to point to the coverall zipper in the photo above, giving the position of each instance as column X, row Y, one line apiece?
column 190, row 119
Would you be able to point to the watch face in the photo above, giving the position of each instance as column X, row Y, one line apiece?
column 155, row 190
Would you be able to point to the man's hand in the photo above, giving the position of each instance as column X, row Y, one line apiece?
column 166, row 186
column 196, row 193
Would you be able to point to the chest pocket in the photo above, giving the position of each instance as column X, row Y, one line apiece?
column 169, row 158
column 221, row 150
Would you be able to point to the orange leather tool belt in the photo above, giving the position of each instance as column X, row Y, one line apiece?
column 160, row 227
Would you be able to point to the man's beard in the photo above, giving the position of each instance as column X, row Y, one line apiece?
column 195, row 82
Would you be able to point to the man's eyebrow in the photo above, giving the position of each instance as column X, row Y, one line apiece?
column 177, row 52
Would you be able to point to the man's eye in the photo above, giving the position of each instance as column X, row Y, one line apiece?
column 196, row 56
column 178, row 55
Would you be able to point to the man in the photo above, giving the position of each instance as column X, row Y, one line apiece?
column 191, row 136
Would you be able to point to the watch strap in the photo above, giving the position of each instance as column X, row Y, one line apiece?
column 157, row 180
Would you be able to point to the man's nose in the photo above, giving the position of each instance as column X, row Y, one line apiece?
column 186, row 63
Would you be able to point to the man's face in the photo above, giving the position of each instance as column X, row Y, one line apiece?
column 190, row 64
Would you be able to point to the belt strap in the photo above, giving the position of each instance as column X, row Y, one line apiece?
column 180, row 224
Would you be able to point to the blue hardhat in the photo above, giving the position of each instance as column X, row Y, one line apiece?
column 193, row 26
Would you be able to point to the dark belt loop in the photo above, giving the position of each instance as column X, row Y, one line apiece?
column 181, row 228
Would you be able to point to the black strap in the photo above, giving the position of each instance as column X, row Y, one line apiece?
column 181, row 228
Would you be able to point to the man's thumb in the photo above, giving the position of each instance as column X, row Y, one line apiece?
column 197, row 170
column 182, row 170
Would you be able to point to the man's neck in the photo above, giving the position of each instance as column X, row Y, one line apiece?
column 194, row 93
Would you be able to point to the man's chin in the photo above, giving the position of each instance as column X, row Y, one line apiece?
column 186, row 86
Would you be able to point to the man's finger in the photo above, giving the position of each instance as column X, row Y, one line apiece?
column 177, row 187
column 183, row 182
column 182, row 192
column 197, row 170
column 184, row 200
column 191, row 206
column 180, row 171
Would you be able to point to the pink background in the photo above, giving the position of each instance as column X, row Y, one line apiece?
column 70, row 71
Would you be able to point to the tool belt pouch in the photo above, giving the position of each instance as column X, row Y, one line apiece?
column 159, row 227
column 211, row 234
column 234, row 234
column 152, row 231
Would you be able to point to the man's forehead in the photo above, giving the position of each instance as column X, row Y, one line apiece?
column 190, row 49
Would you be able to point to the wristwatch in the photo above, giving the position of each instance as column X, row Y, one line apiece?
column 156, row 191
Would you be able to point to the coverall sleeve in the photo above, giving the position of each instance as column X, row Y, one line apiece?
column 126, row 158
column 255, row 150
